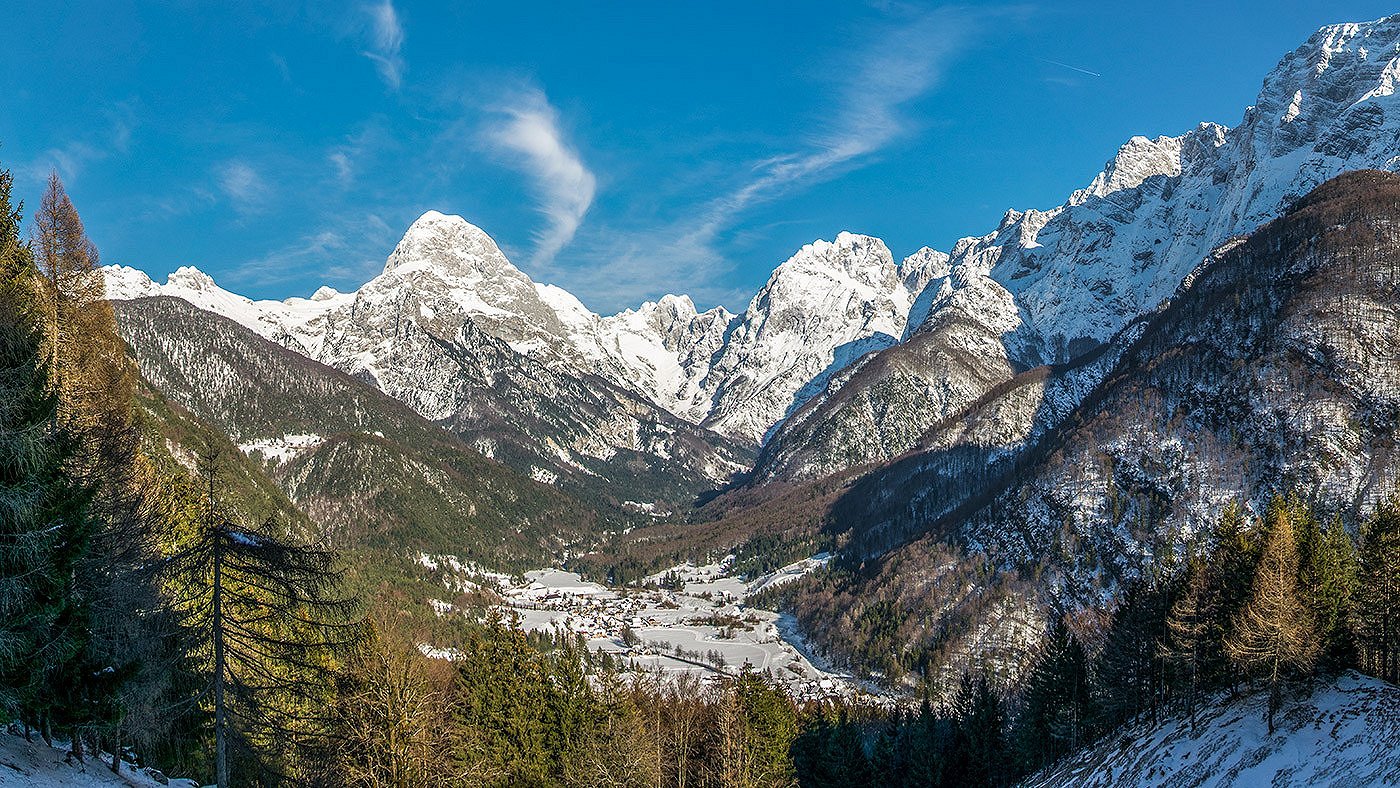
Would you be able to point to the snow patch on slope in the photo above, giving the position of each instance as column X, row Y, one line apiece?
column 1346, row 732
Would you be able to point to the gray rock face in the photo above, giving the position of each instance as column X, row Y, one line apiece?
column 1048, row 286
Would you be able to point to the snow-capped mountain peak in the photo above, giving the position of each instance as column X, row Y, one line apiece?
column 450, row 244
column 1045, row 285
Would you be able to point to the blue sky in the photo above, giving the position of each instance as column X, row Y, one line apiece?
column 620, row 150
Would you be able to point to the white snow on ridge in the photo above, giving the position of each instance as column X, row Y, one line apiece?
column 1347, row 732
column 283, row 449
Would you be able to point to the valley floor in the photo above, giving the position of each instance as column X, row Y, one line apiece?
column 688, row 619
column 1345, row 733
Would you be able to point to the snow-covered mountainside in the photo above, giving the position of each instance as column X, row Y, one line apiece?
column 1276, row 368
column 827, row 306
column 1345, row 731
column 739, row 375
column 1049, row 286
column 794, row 371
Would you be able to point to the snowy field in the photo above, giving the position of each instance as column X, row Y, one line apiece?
column 38, row 765
column 686, row 619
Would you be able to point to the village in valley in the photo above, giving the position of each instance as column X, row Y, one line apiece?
column 683, row 620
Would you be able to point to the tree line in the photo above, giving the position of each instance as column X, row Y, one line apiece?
column 137, row 612
column 1260, row 603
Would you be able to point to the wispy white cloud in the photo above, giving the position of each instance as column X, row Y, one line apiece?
column 344, row 170
column 524, row 130
column 243, row 185
column 900, row 64
column 385, row 42
column 347, row 157
column 896, row 65
column 345, row 251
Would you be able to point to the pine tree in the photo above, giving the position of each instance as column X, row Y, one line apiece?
column 770, row 726
column 1273, row 635
column 979, row 739
column 1055, row 710
column 1234, row 553
column 1130, row 672
column 1376, row 616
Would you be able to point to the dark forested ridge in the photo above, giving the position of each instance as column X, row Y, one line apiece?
column 375, row 473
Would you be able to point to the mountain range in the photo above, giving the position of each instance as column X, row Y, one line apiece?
column 1059, row 399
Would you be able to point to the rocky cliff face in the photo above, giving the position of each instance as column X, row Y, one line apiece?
column 1046, row 287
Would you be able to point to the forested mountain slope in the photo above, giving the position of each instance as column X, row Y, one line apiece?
column 363, row 466
column 1274, row 369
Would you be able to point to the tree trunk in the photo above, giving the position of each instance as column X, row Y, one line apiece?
column 220, row 719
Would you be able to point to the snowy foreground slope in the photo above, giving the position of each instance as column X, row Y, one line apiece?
column 38, row 765
column 1347, row 733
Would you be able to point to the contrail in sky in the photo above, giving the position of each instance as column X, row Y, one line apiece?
column 1068, row 66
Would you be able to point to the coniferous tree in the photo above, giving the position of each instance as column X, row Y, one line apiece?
column 769, row 722
column 1186, row 642
column 263, row 614
column 1327, row 577
column 1376, row 617
column 41, row 504
column 1055, row 710
column 979, row 736
column 1273, row 635
column 1225, row 588
column 1130, row 672
column 105, row 553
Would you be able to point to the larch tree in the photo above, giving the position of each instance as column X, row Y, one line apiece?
column 94, row 380
column 1186, row 642
column 1273, row 636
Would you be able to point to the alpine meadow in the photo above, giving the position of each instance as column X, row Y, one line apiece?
column 1102, row 494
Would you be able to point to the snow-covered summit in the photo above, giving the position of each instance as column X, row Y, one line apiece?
column 1116, row 248
column 826, row 306
column 450, row 243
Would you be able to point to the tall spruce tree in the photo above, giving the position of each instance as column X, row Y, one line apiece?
column 1327, row 575
column 1055, row 707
